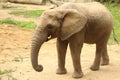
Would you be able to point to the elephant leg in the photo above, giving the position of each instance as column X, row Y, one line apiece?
column 61, row 48
column 105, row 57
column 97, row 59
column 76, row 44
column 101, row 51
column 75, row 52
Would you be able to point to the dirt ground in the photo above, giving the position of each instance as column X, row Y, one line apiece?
column 15, row 57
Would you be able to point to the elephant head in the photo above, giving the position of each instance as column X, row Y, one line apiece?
column 62, row 23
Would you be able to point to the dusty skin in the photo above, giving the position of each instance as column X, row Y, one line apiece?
column 15, row 58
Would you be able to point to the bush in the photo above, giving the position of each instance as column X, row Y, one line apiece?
column 109, row 1
column 115, row 10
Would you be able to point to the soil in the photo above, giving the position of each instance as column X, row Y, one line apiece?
column 15, row 44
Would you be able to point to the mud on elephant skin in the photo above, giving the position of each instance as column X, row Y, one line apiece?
column 74, row 24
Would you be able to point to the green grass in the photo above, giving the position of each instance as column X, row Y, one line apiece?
column 28, row 13
column 115, row 10
column 23, row 24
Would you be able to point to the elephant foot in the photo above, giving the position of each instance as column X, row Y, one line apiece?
column 61, row 71
column 77, row 74
column 105, row 62
column 94, row 68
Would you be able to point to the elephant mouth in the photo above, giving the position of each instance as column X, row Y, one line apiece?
column 49, row 38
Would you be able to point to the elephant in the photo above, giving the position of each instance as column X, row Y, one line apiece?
column 74, row 24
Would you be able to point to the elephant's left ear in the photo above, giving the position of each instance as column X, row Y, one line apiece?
column 73, row 22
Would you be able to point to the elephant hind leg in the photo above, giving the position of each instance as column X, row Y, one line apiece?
column 105, row 57
column 97, row 59
column 101, row 52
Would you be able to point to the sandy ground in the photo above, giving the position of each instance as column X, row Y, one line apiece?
column 15, row 59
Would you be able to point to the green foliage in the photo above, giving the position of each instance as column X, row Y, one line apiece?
column 109, row 1
column 115, row 10
column 23, row 24
column 28, row 13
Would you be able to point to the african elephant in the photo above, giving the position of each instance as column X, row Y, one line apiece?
column 74, row 24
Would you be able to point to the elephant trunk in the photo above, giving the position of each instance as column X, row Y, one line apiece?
column 38, row 39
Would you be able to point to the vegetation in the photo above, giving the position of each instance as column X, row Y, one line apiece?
column 109, row 1
column 18, row 59
column 8, row 74
column 28, row 13
column 23, row 24
column 115, row 10
column 5, row 71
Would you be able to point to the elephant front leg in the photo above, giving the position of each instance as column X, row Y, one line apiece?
column 75, row 52
column 61, row 49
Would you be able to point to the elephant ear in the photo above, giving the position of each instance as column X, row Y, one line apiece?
column 73, row 22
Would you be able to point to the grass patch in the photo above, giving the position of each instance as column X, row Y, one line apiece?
column 28, row 13
column 18, row 59
column 23, row 24
column 5, row 71
column 115, row 10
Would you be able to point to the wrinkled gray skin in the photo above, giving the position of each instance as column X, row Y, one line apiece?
column 74, row 24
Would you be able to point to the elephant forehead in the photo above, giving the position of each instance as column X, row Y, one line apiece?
column 50, row 12
column 49, row 20
column 55, row 13
column 49, row 16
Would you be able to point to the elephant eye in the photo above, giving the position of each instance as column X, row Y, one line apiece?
column 60, row 19
column 49, row 26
